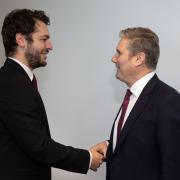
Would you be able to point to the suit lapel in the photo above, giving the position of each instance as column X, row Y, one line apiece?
column 137, row 110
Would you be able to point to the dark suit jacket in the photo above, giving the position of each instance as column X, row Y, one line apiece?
column 149, row 146
column 27, row 150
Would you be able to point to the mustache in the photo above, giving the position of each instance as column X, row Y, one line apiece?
column 45, row 51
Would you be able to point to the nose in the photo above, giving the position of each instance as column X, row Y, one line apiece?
column 114, row 59
column 49, row 45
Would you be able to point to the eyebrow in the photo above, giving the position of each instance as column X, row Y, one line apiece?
column 46, row 36
column 118, row 51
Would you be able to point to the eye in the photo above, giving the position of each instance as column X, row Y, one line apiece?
column 118, row 53
column 43, row 39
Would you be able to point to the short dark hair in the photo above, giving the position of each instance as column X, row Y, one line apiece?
column 143, row 39
column 20, row 21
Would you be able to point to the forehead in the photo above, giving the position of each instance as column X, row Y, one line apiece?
column 41, row 29
column 123, row 44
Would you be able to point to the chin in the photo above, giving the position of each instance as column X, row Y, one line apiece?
column 43, row 63
column 119, row 77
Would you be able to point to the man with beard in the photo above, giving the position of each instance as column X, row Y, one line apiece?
column 27, row 151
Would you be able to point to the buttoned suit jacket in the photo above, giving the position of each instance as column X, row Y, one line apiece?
column 149, row 144
column 27, row 150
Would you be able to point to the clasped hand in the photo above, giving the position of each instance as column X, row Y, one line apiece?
column 98, row 155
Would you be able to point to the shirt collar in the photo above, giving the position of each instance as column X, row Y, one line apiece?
column 139, row 85
column 26, row 69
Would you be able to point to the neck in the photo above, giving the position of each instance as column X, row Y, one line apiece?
column 22, row 59
column 138, row 76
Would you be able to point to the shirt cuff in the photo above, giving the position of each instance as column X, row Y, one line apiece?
column 90, row 161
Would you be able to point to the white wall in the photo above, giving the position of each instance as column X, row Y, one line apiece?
column 78, row 85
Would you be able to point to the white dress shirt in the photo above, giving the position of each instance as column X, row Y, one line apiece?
column 26, row 69
column 136, row 90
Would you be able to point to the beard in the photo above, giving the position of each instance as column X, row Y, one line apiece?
column 35, row 58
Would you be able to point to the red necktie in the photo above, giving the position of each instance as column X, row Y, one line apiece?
column 34, row 83
column 123, row 112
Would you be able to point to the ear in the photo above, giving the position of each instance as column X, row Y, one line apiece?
column 140, row 58
column 20, row 40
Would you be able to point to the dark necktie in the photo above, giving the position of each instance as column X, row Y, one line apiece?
column 34, row 83
column 123, row 112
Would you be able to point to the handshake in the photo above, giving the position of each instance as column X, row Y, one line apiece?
column 98, row 154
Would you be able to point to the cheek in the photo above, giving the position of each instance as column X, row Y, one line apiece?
column 39, row 46
column 120, row 64
column 123, row 69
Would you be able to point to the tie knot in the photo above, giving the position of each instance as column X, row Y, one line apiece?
column 127, row 96
column 34, row 83
column 128, row 93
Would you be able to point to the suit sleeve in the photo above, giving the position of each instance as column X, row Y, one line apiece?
column 168, row 131
column 26, row 122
